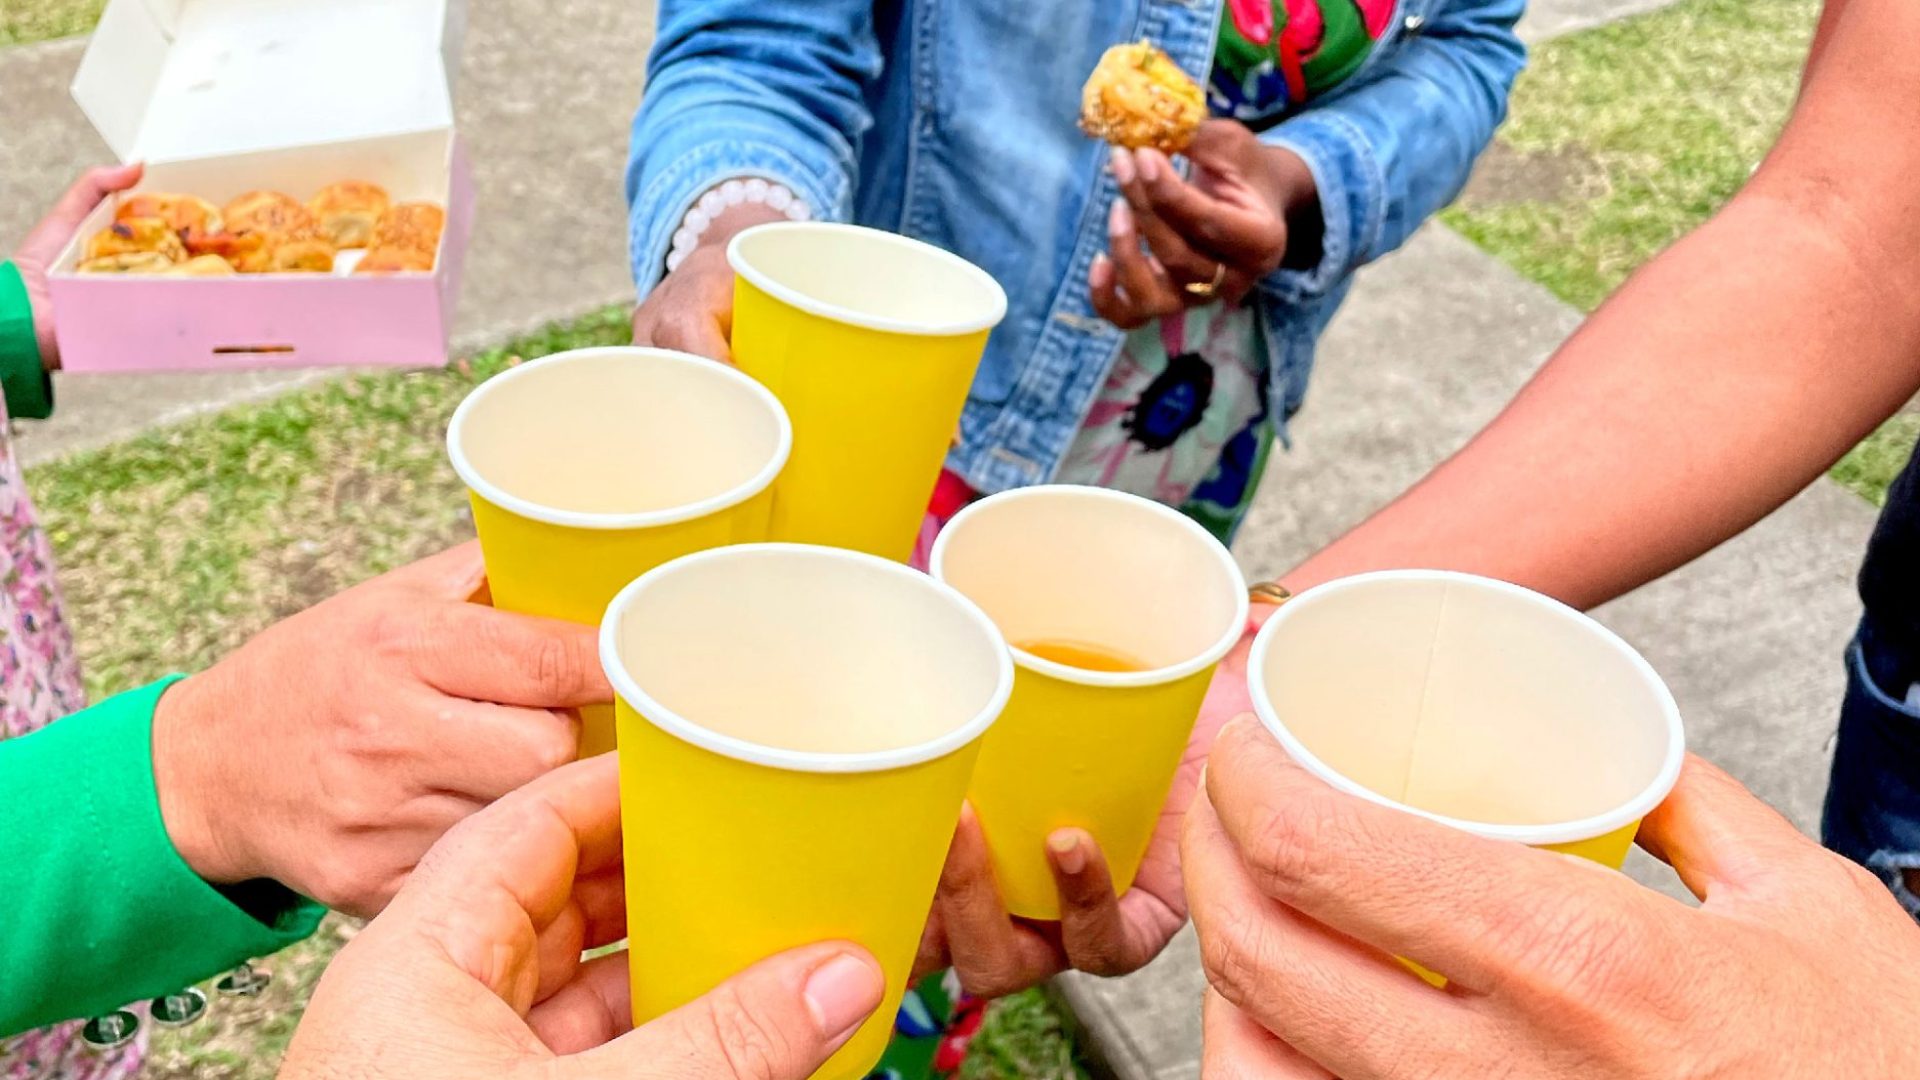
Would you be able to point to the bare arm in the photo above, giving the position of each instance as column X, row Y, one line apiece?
column 1728, row 374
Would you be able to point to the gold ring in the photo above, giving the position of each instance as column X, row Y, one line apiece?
column 1205, row 290
column 1269, row 592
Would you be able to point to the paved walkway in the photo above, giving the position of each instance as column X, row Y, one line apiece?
column 545, row 97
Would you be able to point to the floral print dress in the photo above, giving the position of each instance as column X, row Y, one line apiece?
column 1183, row 416
column 39, row 683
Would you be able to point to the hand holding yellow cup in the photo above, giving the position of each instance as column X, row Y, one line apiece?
column 871, row 341
column 1475, row 703
column 797, row 727
column 1118, row 610
column 588, row 468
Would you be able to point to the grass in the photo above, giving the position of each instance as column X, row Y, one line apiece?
column 177, row 546
column 1624, row 138
column 22, row 21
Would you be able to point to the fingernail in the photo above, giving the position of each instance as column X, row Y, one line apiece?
column 842, row 993
column 1148, row 161
column 1068, row 854
column 1121, row 221
column 1101, row 269
column 1122, row 166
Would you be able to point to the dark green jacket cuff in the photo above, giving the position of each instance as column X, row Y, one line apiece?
column 100, row 909
column 23, row 376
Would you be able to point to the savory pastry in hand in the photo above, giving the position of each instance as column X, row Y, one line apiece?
column 394, row 260
column 182, row 213
column 127, row 262
column 201, row 266
column 347, row 211
column 267, row 212
column 136, row 235
column 1138, row 97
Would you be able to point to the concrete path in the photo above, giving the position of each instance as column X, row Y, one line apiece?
column 1749, row 637
column 546, row 94
column 1551, row 18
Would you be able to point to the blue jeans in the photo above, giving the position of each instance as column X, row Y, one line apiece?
column 1872, row 813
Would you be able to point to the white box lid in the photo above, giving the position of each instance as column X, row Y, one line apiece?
column 171, row 80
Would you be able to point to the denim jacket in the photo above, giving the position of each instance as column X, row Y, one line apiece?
column 953, row 121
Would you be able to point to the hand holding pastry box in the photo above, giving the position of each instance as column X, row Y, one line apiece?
column 295, row 211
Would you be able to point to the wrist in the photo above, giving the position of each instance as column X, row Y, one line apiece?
column 729, row 208
column 1291, row 186
column 191, row 786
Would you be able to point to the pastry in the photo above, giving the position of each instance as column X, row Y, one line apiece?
column 201, row 266
column 245, row 252
column 182, row 213
column 392, row 260
column 266, row 212
column 311, row 253
column 347, row 211
column 134, row 235
column 414, row 226
column 127, row 262
column 1138, row 97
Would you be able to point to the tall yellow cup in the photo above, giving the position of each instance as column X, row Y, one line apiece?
column 1473, row 702
column 797, row 726
column 588, row 468
column 1066, row 570
column 871, row 341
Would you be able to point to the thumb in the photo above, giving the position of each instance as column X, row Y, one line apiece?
column 457, row 573
column 1219, row 145
column 1717, row 834
column 54, row 230
column 779, row 1020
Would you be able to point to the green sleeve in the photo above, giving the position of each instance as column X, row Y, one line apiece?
column 23, row 376
column 96, row 907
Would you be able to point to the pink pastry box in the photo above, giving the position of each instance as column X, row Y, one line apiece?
column 221, row 97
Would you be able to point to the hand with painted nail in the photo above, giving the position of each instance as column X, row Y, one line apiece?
column 1247, row 210
column 1796, row 963
column 474, row 970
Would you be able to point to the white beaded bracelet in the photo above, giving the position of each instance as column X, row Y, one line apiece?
column 715, row 202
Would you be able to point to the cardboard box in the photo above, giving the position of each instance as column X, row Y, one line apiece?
column 220, row 97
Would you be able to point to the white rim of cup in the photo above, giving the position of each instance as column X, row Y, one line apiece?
column 646, row 519
column 1561, row 832
column 795, row 298
column 1231, row 636
column 754, row 753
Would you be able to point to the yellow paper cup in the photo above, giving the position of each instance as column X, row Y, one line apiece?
column 588, row 468
column 1064, row 566
column 797, row 726
column 1474, row 703
column 871, row 341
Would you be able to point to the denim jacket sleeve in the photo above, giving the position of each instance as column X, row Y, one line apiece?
column 1397, row 147
column 768, row 88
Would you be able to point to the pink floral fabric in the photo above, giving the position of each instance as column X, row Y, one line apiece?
column 39, row 683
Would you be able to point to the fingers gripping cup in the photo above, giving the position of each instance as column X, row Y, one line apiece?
column 871, row 341
column 797, row 726
column 1118, row 609
column 1475, row 703
column 588, row 468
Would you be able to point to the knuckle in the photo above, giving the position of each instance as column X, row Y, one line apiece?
column 753, row 1050
column 1230, row 952
column 1574, row 949
column 553, row 669
column 1284, row 852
